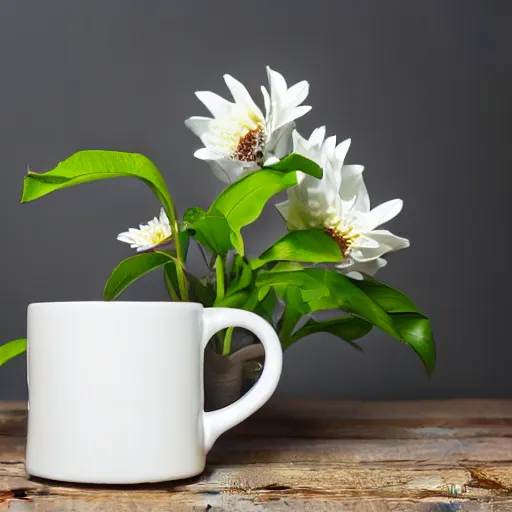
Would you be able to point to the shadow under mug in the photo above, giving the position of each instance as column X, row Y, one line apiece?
column 116, row 389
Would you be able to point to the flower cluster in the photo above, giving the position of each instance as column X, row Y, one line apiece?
column 323, row 262
column 240, row 138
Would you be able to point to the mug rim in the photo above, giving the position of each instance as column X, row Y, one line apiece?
column 114, row 303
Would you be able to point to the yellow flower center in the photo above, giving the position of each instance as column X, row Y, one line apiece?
column 343, row 236
column 159, row 237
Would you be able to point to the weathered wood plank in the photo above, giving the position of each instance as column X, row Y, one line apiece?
column 459, row 418
column 299, row 479
column 349, row 456
column 386, row 420
column 238, row 503
column 440, row 452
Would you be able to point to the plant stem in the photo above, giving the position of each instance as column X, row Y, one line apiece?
column 226, row 348
column 180, row 268
column 219, row 274
column 172, row 215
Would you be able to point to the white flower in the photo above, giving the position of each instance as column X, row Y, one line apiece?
column 155, row 232
column 239, row 138
column 339, row 204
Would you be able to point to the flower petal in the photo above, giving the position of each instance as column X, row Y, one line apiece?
column 241, row 95
column 383, row 236
column 280, row 142
column 365, row 242
column 216, row 104
column 329, row 147
column 266, row 101
column 317, row 136
column 226, row 170
column 291, row 115
column 362, row 202
column 364, row 255
column 198, row 125
column 277, row 84
column 297, row 93
column 292, row 216
column 208, row 154
column 353, row 190
column 381, row 214
column 284, row 209
column 350, row 171
column 370, row 268
column 342, row 150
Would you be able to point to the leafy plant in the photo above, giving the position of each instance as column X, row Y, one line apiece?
column 324, row 262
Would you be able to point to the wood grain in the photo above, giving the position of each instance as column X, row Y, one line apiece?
column 431, row 456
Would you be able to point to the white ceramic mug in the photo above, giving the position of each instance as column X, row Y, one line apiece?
column 116, row 389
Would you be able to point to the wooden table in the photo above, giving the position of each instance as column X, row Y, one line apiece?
column 430, row 456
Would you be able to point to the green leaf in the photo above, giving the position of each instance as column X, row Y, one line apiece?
column 311, row 246
column 295, row 162
column 388, row 298
column 236, row 300
column 243, row 201
column 262, row 292
column 373, row 304
column 264, row 306
column 201, row 292
column 243, row 277
column 12, row 349
column 94, row 165
column 348, row 328
column 288, row 266
column 185, row 242
column 192, row 215
column 132, row 269
column 210, row 229
column 294, row 310
column 171, row 281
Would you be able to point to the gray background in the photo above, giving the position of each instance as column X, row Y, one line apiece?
column 422, row 88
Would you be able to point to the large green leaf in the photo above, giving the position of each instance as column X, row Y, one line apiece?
column 243, row 201
column 94, row 165
column 348, row 328
column 296, row 162
column 295, row 308
column 210, row 229
column 12, row 349
column 387, row 297
column 310, row 246
column 131, row 269
column 374, row 304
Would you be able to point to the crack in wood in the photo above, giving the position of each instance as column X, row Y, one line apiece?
column 480, row 480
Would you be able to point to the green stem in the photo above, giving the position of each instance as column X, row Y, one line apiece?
column 172, row 215
column 180, row 269
column 226, row 347
column 219, row 273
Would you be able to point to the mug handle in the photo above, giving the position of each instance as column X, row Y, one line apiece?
column 217, row 422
